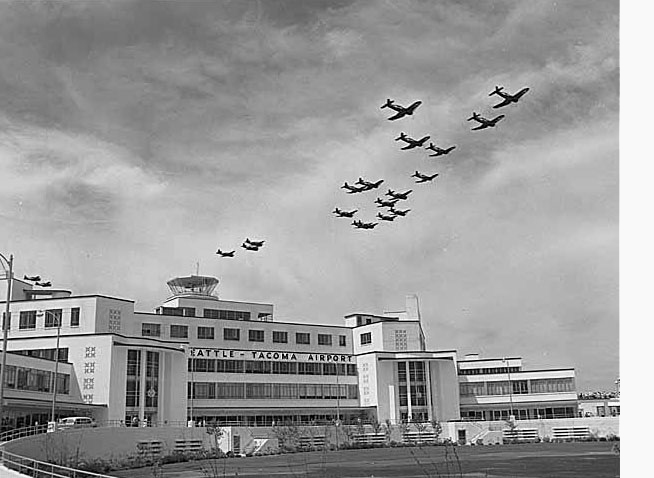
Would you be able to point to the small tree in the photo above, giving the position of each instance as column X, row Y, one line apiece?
column 420, row 428
column 216, row 432
column 438, row 430
column 388, row 430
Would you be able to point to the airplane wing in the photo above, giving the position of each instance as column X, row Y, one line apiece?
column 503, row 103
column 409, row 146
column 481, row 126
column 414, row 106
column 398, row 115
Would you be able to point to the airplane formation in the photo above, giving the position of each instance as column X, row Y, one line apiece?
column 37, row 281
column 247, row 244
column 393, row 197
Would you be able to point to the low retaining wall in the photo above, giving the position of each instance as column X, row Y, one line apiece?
column 490, row 432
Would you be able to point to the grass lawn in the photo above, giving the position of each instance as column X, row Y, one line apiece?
column 541, row 460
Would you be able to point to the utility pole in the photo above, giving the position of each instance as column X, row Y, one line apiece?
column 56, row 370
column 5, row 331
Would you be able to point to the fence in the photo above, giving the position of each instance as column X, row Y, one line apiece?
column 41, row 469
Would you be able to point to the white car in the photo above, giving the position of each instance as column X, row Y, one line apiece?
column 72, row 422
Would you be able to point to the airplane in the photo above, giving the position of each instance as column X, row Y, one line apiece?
column 364, row 225
column 249, row 247
column 225, row 253
column 413, row 143
column 32, row 278
column 401, row 111
column 254, row 243
column 508, row 98
column 383, row 203
column 399, row 212
column 383, row 217
column 397, row 195
column 340, row 213
column 423, row 178
column 368, row 185
column 352, row 189
column 485, row 123
column 44, row 284
column 439, row 151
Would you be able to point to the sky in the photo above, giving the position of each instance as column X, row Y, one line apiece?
column 137, row 137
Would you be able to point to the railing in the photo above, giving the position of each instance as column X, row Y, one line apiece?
column 22, row 432
column 42, row 469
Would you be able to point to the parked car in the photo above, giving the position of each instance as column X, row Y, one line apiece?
column 72, row 422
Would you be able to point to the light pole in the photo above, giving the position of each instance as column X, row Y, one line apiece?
column 5, row 326
column 56, row 370
column 508, row 371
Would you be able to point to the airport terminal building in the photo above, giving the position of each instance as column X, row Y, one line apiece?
column 198, row 357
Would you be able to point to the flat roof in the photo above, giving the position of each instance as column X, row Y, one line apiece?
column 273, row 322
column 211, row 297
column 490, row 359
column 69, row 297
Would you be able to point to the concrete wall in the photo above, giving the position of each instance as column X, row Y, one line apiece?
column 491, row 431
column 444, row 390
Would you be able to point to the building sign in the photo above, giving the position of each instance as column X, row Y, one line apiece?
column 198, row 352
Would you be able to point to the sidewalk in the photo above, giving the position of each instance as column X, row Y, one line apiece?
column 7, row 473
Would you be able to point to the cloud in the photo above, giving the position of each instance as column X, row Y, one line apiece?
column 144, row 135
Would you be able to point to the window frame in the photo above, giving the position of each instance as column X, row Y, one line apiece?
column 365, row 338
column 235, row 338
column 306, row 335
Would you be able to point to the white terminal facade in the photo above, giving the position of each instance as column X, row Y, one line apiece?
column 202, row 358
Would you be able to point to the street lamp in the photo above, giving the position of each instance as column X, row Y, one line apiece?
column 508, row 371
column 56, row 370
column 5, row 326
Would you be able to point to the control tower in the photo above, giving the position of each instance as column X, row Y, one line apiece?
column 193, row 286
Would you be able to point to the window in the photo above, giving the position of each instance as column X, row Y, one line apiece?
column 342, row 340
column 519, row 387
column 179, row 331
column 205, row 333
column 366, row 338
column 231, row 334
column 226, row 314
column 280, row 337
column 74, row 317
column 150, row 330
column 53, row 318
column 114, row 320
column 498, row 388
column 400, row 340
column 324, row 339
column 255, row 335
column 552, row 385
column 302, row 338
column 472, row 389
column 27, row 319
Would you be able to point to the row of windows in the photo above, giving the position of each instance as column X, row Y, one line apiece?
column 519, row 413
column 271, row 367
column 488, row 370
column 208, row 333
column 213, row 313
column 48, row 354
column 279, row 391
column 23, row 378
column 518, row 387
column 53, row 318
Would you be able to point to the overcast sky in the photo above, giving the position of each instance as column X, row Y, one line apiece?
column 136, row 138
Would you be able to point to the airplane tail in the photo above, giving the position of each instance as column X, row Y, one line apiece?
column 496, row 91
column 388, row 103
column 474, row 116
